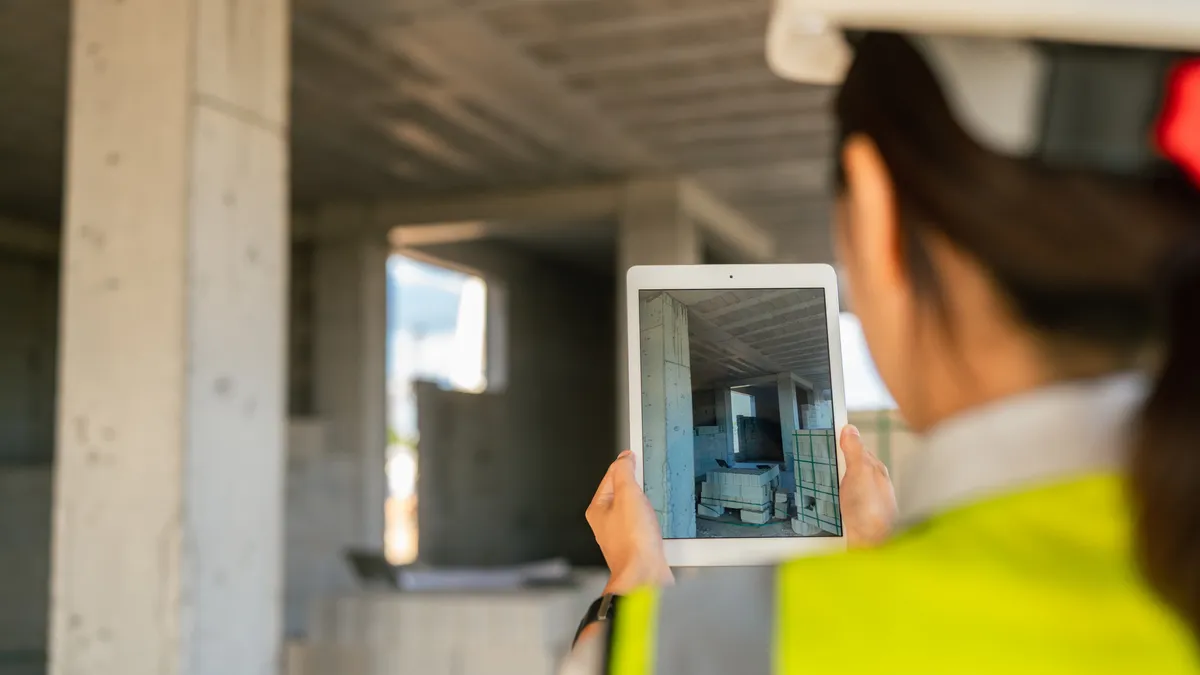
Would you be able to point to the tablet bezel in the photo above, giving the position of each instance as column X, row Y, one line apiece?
column 749, row 551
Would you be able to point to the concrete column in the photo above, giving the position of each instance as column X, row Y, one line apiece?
column 725, row 418
column 653, row 229
column 169, row 475
column 667, row 430
column 789, row 418
column 350, row 365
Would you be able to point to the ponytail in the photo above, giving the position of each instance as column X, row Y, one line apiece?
column 1165, row 474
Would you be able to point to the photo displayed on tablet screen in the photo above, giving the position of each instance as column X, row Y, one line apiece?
column 737, row 413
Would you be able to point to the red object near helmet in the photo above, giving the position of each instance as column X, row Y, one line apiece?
column 1178, row 131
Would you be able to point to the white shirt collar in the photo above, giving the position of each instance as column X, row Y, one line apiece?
column 1038, row 437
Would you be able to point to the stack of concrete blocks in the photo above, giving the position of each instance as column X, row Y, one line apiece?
column 818, row 415
column 817, row 500
column 748, row 490
column 781, row 505
column 443, row 633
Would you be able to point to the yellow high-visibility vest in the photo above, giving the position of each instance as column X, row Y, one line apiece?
column 1039, row 580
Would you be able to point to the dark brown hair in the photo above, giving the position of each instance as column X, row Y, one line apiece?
column 1079, row 255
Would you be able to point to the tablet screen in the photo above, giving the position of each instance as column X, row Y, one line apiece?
column 737, row 413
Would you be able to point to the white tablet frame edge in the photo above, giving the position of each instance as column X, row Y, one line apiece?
column 748, row 551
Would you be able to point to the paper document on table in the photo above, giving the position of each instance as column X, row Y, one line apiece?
column 545, row 573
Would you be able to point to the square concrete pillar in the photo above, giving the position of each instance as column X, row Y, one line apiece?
column 350, row 362
column 725, row 418
column 653, row 229
column 170, row 459
column 789, row 419
column 667, row 431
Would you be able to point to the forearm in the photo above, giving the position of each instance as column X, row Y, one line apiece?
column 587, row 656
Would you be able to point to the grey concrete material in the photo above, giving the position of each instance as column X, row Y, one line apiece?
column 31, row 240
column 530, row 455
column 804, row 529
column 349, row 337
column 667, row 428
column 755, row 517
column 466, row 114
column 24, row 559
column 28, row 358
column 741, row 336
column 301, row 308
column 707, row 511
column 169, row 474
column 708, row 449
column 789, row 417
column 449, row 633
column 704, row 408
column 725, row 417
column 323, row 518
column 652, row 229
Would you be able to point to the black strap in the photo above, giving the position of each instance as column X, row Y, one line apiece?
column 606, row 604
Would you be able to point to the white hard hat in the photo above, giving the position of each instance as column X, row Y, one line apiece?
column 1024, row 78
column 805, row 39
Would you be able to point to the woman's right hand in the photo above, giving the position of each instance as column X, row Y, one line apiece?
column 868, row 499
column 627, row 530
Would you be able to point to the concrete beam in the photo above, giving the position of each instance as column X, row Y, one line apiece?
column 561, row 206
column 726, row 225
column 752, row 11
column 712, row 335
column 503, row 77
column 37, row 241
column 609, row 64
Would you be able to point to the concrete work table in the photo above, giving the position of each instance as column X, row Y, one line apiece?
column 524, row 632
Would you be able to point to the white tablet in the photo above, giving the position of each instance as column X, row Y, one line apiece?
column 736, row 400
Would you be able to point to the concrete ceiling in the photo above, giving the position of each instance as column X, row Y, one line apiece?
column 400, row 97
column 744, row 334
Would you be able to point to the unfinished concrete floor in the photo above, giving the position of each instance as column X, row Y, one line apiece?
column 730, row 526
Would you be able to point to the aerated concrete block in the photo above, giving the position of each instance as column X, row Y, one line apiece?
column 705, row 511
column 806, row 474
column 824, row 475
column 755, row 494
column 781, row 496
column 755, row 517
column 804, row 529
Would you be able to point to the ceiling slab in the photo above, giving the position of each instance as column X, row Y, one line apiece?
column 407, row 98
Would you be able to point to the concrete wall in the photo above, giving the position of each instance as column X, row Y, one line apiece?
column 766, row 401
column 506, row 476
column 322, row 502
column 321, row 520
column 300, row 331
column 24, row 567
column 708, row 447
column 28, row 339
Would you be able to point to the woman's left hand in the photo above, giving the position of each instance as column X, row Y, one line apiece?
column 627, row 530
